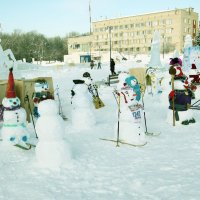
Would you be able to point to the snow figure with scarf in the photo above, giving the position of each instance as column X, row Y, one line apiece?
column 180, row 96
column 194, row 75
column 93, row 89
column 82, row 107
column 130, row 129
column 41, row 93
column 52, row 150
column 14, row 130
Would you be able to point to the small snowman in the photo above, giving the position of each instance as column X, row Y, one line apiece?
column 153, row 83
column 82, row 106
column 194, row 75
column 130, row 130
column 14, row 130
column 180, row 98
column 51, row 151
column 41, row 93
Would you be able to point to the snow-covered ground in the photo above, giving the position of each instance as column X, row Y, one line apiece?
column 166, row 168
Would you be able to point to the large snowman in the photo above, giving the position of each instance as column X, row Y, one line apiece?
column 82, row 107
column 180, row 98
column 128, row 94
column 14, row 130
column 51, row 151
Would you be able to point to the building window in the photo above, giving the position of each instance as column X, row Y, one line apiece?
column 185, row 20
column 185, row 30
column 169, row 21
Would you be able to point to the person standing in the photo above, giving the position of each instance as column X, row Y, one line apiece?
column 112, row 66
column 99, row 65
column 92, row 64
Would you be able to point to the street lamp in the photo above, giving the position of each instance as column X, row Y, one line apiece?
column 109, row 29
column 163, row 45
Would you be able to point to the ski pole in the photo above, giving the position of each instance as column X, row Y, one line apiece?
column 118, row 121
column 27, row 99
column 145, row 121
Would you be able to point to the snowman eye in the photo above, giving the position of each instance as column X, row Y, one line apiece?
column 10, row 100
column 17, row 100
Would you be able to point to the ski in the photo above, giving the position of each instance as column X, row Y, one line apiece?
column 121, row 142
column 27, row 147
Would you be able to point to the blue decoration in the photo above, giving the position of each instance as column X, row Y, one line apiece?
column 132, row 82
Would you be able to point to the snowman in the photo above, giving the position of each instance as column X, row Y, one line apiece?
column 41, row 93
column 180, row 97
column 51, row 151
column 153, row 83
column 194, row 75
column 14, row 130
column 82, row 107
column 130, row 129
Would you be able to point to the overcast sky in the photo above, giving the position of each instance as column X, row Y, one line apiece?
column 59, row 17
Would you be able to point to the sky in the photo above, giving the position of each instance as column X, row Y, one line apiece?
column 59, row 17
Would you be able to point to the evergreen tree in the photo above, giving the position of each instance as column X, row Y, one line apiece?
column 197, row 39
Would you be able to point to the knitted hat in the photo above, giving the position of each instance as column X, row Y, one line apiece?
column 175, row 61
column 194, row 66
column 10, row 90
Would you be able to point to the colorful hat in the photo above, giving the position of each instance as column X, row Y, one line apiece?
column 10, row 90
column 175, row 61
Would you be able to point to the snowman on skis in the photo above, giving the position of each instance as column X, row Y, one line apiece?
column 181, row 95
column 14, row 130
column 129, row 110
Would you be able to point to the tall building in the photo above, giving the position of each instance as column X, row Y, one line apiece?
column 133, row 34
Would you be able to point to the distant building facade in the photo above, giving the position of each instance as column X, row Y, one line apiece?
column 133, row 34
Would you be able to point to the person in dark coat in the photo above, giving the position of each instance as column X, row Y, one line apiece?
column 112, row 66
column 92, row 64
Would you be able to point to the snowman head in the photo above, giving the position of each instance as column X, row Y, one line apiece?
column 150, row 71
column 41, row 85
column 48, row 107
column 11, row 102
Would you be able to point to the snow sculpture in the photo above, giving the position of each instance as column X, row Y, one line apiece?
column 181, row 95
column 51, row 151
column 14, row 130
column 130, row 129
column 7, row 59
column 187, row 49
column 82, row 107
column 188, row 41
column 153, row 83
column 155, row 51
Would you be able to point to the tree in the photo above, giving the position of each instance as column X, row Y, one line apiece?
column 197, row 39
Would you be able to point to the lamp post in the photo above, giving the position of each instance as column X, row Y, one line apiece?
column 110, row 28
column 163, row 45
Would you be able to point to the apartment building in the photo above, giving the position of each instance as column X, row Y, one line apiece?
column 133, row 34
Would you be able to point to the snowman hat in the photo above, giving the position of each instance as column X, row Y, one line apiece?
column 175, row 61
column 78, row 81
column 129, row 79
column 194, row 66
column 10, row 90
